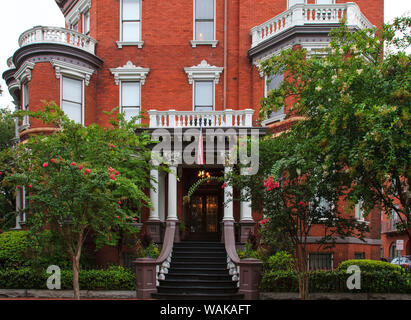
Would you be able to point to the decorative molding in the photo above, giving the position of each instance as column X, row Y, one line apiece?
column 74, row 15
column 203, row 71
column 130, row 72
column 23, row 74
column 139, row 44
column 69, row 69
column 195, row 43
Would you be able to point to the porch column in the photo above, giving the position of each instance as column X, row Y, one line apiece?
column 246, row 219
column 153, row 224
column 228, row 191
column 172, row 194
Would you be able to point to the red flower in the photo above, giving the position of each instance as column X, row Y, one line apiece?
column 119, row 202
column 88, row 171
column 1, row 173
column 276, row 185
column 45, row 164
column 117, row 173
column 300, row 203
column 30, row 186
column 224, row 185
column 80, row 167
column 111, row 169
column 112, row 177
column 264, row 221
column 118, row 217
column 73, row 164
column 53, row 160
column 111, row 145
column 269, row 183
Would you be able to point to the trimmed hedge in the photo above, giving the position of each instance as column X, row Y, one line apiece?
column 113, row 278
column 336, row 281
column 369, row 265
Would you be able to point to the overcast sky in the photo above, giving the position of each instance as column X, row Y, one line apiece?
column 17, row 16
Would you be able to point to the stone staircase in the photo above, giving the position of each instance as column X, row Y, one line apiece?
column 198, row 271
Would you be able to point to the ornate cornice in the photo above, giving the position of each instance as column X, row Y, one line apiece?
column 23, row 74
column 130, row 72
column 203, row 71
column 65, row 68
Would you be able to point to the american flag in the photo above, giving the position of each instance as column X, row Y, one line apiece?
column 200, row 148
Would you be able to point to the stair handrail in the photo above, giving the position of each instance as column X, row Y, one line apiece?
column 164, row 259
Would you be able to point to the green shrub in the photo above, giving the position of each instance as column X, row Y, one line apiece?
column 282, row 260
column 369, row 265
column 14, row 246
column 113, row 278
column 336, row 281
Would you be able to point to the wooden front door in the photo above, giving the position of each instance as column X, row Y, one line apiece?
column 204, row 216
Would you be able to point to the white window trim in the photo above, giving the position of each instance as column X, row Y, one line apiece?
column 130, row 72
column 122, row 43
column 194, row 93
column 72, row 70
column 288, row 4
column 194, row 42
column 203, row 71
column 332, row 2
column 73, row 16
column 25, row 101
column 82, row 94
column 121, row 95
column 24, row 73
column 84, row 19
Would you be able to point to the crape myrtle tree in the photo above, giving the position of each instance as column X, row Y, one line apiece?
column 7, row 193
column 356, row 98
column 295, row 192
column 83, row 180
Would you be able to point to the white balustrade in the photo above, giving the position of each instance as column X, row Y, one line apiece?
column 195, row 119
column 306, row 14
column 72, row 38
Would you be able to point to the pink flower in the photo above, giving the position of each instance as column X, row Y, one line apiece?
column 88, row 171
column 80, row 167
column 112, row 177
column 45, row 164
column 111, row 169
column 111, row 145
column 119, row 202
column 224, row 185
column 30, row 186
column 118, row 217
column 1, row 173
column 117, row 173
column 53, row 160
column 264, row 221
column 276, row 185
column 73, row 164
column 300, row 203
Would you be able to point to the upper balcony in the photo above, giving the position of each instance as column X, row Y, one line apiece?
column 195, row 119
column 56, row 35
column 388, row 226
column 308, row 15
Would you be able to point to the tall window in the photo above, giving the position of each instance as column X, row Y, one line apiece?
column 273, row 82
column 294, row 2
column 72, row 98
column 393, row 251
column 359, row 212
column 86, row 22
column 130, row 99
column 25, row 103
column 130, row 20
column 204, row 95
column 204, row 20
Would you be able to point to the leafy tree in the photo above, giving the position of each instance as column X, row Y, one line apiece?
column 7, row 194
column 356, row 99
column 83, row 180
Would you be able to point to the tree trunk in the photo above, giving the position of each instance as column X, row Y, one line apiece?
column 76, row 287
column 303, row 274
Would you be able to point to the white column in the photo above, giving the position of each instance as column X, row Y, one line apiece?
column 245, row 209
column 172, row 194
column 228, row 191
column 154, row 216
column 161, row 196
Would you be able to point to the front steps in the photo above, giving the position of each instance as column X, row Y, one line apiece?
column 198, row 271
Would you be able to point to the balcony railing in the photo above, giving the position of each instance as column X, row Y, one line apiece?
column 68, row 37
column 195, row 119
column 388, row 226
column 309, row 14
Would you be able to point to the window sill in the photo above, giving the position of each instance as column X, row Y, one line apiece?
column 120, row 44
column 195, row 43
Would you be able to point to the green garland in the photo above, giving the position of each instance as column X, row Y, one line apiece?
column 196, row 185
